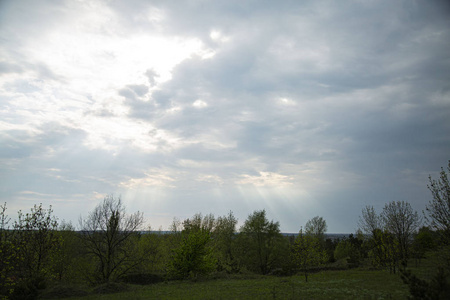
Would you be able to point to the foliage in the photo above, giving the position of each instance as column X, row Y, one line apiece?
column 260, row 243
column 385, row 251
column 389, row 235
column 437, row 288
column 349, row 249
column 37, row 243
column 330, row 246
column 307, row 253
column 425, row 240
column 107, row 235
column 9, row 258
column 317, row 226
column 151, row 249
column 65, row 259
column 193, row 257
column 439, row 207
column 198, row 222
column 224, row 243
column 348, row 284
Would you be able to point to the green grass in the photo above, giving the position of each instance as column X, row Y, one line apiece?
column 349, row 284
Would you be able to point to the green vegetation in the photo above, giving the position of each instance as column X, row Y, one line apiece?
column 390, row 257
column 307, row 253
column 352, row 284
column 109, row 238
column 193, row 257
column 261, row 244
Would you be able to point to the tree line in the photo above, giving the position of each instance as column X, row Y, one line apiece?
column 37, row 250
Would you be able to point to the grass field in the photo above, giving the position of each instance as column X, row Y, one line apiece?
column 348, row 284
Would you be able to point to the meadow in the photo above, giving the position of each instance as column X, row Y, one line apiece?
column 358, row 283
column 344, row 284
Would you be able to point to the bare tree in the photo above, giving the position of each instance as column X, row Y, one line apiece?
column 107, row 233
column 402, row 221
column 439, row 207
column 369, row 221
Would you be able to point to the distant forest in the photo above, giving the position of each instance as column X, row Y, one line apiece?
column 37, row 251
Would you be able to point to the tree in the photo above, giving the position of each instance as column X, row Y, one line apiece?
column 194, row 256
column 107, row 234
column 65, row 259
column 198, row 222
column 425, row 240
column 384, row 250
column 438, row 208
column 32, row 244
column 436, row 288
column 37, row 239
column 224, row 240
column 350, row 249
column 317, row 227
column 402, row 221
column 9, row 256
column 369, row 221
column 307, row 253
column 152, row 248
column 438, row 218
column 260, row 240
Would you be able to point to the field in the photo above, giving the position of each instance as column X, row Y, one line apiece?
column 348, row 284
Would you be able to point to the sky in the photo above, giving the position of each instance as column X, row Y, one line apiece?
column 301, row 108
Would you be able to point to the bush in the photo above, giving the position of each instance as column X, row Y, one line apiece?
column 437, row 288
column 193, row 257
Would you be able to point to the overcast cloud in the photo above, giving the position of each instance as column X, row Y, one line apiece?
column 302, row 108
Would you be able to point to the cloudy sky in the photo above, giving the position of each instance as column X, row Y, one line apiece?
column 302, row 108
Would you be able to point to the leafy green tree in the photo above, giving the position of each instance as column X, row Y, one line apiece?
column 307, row 253
column 151, row 248
column 194, row 256
column 438, row 208
column 349, row 249
column 224, row 240
column 198, row 222
column 425, row 240
column 9, row 256
column 37, row 240
column 260, row 242
column 108, row 236
column 384, row 250
column 32, row 244
column 317, row 227
column 65, row 259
